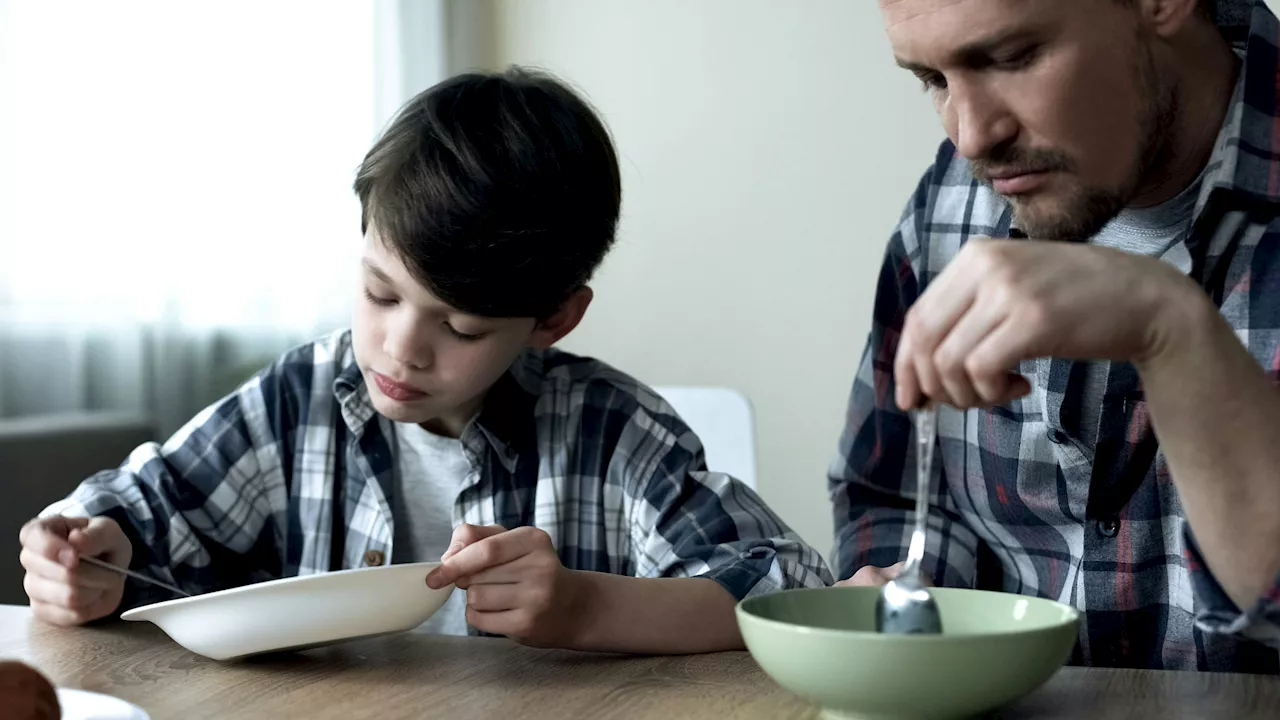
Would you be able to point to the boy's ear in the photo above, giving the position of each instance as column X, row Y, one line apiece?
column 551, row 329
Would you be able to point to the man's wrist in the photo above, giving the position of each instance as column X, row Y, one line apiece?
column 1183, row 318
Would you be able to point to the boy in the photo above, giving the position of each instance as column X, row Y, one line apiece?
column 582, row 505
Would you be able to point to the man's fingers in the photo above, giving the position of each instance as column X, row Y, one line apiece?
column 988, row 365
column 951, row 357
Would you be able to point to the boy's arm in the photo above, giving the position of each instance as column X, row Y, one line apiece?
column 701, row 542
column 671, row 616
column 203, row 511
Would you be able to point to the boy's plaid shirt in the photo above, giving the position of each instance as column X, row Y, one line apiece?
column 1021, row 504
column 246, row 490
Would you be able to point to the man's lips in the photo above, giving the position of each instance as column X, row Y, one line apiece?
column 397, row 390
column 1019, row 183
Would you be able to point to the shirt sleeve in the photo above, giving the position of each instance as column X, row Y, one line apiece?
column 205, row 510
column 872, row 479
column 686, row 521
column 1216, row 612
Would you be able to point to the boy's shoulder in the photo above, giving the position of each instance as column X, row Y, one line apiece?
column 307, row 369
column 567, row 383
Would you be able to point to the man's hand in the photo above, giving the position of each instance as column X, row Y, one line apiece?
column 872, row 576
column 515, row 584
column 1001, row 302
column 63, row 590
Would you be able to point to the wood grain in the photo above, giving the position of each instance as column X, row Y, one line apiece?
column 414, row 676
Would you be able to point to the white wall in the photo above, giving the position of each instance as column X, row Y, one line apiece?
column 767, row 150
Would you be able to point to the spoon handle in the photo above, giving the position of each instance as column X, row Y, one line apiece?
column 136, row 576
column 926, row 434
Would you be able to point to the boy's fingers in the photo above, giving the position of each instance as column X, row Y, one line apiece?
column 101, row 537
column 85, row 575
column 48, row 537
column 476, row 557
column 496, row 575
column 61, row 595
column 493, row 598
column 55, row 615
column 467, row 534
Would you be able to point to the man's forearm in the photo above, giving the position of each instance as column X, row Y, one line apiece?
column 666, row 616
column 1217, row 416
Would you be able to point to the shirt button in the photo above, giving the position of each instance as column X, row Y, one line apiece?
column 1057, row 437
column 374, row 558
column 1109, row 527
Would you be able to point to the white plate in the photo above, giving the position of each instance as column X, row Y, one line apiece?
column 85, row 705
column 299, row 612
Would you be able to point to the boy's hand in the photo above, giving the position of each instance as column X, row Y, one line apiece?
column 870, row 575
column 515, row 583
column 63, row 590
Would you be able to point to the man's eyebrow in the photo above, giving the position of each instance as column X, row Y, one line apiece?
column 376, row 271
column 973, row 54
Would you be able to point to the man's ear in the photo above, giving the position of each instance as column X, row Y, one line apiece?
column 1169, row 17
column 551, row 330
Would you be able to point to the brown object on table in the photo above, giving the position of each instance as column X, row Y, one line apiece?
column 25, row 694
column 412, row 676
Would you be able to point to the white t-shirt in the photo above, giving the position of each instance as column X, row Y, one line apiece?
column 431, row 470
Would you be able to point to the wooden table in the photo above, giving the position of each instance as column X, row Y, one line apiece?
column 413, row 676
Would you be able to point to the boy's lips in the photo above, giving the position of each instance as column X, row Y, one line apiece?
column 397, row 390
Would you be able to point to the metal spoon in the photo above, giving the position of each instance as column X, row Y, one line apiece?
column 905, row 605
column 136, row 576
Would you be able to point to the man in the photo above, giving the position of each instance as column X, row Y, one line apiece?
column 1104, row 369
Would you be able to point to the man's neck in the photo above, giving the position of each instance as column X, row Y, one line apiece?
column 1204, row 91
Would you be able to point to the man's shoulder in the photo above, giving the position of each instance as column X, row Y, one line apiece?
column 947, row 208
column 950, row 200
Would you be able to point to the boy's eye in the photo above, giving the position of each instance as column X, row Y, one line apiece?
column 379, row 301
column 465, row 337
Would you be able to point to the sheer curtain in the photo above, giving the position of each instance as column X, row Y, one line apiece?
column 175, row 187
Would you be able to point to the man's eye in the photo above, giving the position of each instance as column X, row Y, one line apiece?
column 932, row 82
column 1019, row 60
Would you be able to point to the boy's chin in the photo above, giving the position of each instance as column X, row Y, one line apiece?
column 415, row 413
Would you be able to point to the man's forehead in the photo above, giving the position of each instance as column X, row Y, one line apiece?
column 921, row 31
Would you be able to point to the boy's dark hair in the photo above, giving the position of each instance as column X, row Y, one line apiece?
column 499, row 192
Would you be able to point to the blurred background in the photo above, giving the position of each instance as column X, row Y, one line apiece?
column 175, row 203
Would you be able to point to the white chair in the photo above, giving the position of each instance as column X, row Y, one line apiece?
column 723, row 419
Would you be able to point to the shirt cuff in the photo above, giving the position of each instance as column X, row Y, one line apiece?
column 1216, row 612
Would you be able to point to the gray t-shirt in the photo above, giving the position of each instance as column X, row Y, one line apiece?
column 1157, row 232
column 431, row 470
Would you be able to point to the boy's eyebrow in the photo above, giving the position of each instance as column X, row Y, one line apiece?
column 376, row 271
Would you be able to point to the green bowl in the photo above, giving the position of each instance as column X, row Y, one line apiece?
column 822, row 645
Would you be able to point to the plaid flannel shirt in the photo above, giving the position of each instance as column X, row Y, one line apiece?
column 1020, row 503
column 293, row 474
